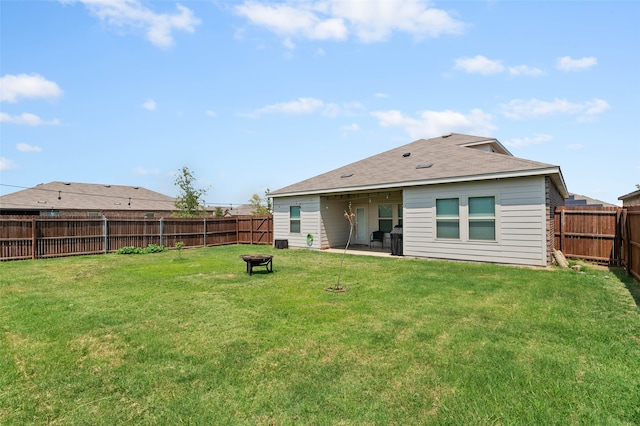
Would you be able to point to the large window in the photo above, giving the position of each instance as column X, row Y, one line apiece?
column 294, row 219
column 482, row 218
column 448, row 218
column 385, row 217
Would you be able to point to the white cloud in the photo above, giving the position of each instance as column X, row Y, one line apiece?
column 369, row 21
column 381, row 95
column 353, row 127
column 299, row 106
column 436, row 123
column 288, row 44
column 567, row 64
column 14, row 87
column 376, row 20
column 528, row 141
column 25, row 147
column 482, row 65
column 133, row 15
column 525, row 70
column 141, row 171
column 519, row 108
column 211, row 113
column 479, row 65
column 149, row 104
column 302, row 106
column 26, row 119
column 293, row 20
column 6, row 164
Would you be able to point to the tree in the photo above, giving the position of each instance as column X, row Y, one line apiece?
column 189, row 203
column 258, row 208
column 218, row 212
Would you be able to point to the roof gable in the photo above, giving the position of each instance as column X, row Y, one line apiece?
column 450, row 158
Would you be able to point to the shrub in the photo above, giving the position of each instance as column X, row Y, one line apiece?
column 151, row 248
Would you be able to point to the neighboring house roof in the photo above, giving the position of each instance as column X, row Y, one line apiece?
column 241, row 210
column 582, row 200
column 445, row 159
column 629, row 196
column 86, row 197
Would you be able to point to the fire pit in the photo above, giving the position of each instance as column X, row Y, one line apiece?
column 252, row 260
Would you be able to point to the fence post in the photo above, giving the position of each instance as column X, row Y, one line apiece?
column 162, row 231
column 562, row 226
column 617, row 241
column 204, row 225
column 105, row 231
column 34, row 241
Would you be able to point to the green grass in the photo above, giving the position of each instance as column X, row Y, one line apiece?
column 157, row 339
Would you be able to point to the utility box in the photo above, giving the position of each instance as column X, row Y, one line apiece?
column 281, row 244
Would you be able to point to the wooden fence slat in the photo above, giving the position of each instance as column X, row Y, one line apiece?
column 53, row 237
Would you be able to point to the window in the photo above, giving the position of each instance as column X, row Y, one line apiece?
column 385, row 217
column 294, row 219
column 94, row 214
column 400, row 214
column 448, row 218
column 482, row 218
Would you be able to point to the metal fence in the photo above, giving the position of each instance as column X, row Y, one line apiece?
column 36, row 238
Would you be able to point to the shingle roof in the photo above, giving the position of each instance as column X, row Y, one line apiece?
column 86, row 196
column 450, row 158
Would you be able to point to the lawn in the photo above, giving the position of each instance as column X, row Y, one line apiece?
column 162, row 339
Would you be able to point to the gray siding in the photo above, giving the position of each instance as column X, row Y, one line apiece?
column 521, row 235
column 336, row 227
column 309, row 220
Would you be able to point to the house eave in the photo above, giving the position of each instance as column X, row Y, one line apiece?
column 552, row 171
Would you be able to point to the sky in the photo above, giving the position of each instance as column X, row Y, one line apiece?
column 257, row 95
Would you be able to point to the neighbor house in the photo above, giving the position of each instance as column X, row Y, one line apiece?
column 64, row 199
column 456, row 197
column 630, row 199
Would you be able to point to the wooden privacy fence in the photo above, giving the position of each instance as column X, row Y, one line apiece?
column 35, row 238
column 607, row 235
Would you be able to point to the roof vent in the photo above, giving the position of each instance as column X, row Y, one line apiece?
column 406, row 154
column 447, row 135
column 107, row 186
column 346, row 175
column 424, row 166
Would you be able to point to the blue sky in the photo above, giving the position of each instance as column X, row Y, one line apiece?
column 252, row 95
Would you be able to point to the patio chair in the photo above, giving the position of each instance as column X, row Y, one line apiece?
column 377, row 236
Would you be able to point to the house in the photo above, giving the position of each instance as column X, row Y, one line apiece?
column 583, row 200
column 630, row 199
column 241, row 210
column 456, row 197
column 65, row 199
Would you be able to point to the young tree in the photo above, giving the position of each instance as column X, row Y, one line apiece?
column 189, row 203
column 218, row 212
column 258, row 208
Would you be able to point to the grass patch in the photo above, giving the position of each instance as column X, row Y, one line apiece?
column 156, row 339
